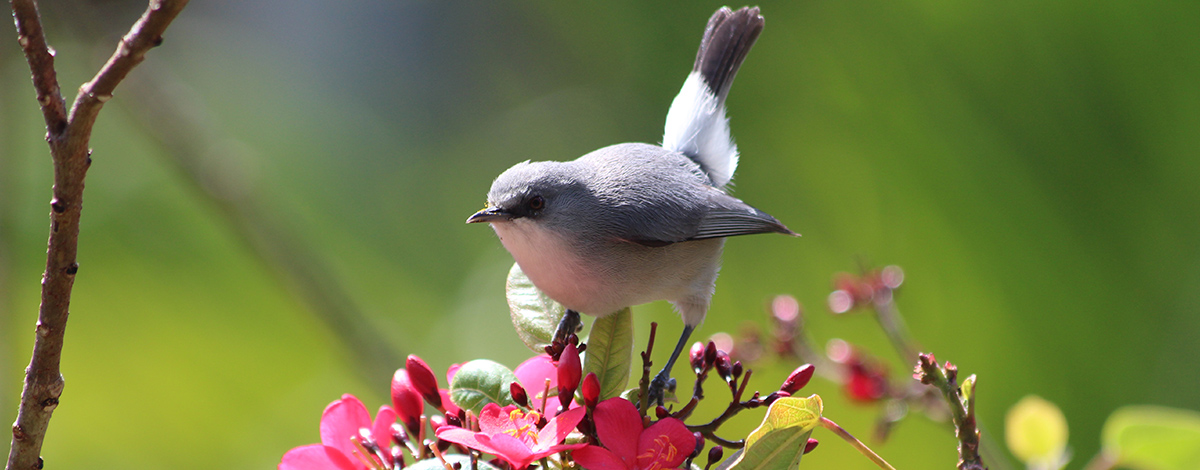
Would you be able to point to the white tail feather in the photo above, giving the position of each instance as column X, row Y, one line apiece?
column 697, row 127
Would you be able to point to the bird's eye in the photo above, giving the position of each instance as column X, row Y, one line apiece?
column 537, row 203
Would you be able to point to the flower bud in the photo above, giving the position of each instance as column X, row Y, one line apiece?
column 797, row 379
column 406, row 401
column 423, row 380
column 569, row 372
column 696, row 356
column 591, row 390
column 737, row 369
column 699, row 445
column 724, row 366
column 810, row 445
column 661, row 412
column 714, row 455
column 710, row 354
column 518, row 394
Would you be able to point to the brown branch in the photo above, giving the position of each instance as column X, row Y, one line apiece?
column 68, row 137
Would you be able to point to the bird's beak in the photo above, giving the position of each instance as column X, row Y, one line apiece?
column 489, row 214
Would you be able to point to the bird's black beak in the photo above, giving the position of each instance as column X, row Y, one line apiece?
column 489, row 214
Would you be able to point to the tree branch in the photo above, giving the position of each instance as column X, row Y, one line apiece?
column 68, row 137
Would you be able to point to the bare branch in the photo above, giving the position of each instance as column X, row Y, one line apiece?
column 68, row 137
column 41, row 64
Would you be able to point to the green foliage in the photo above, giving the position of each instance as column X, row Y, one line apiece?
column 778, row 443
column 610, row 352
column 534, row 315
column 1153, row 437
column 1036, row 432
column 480, row 382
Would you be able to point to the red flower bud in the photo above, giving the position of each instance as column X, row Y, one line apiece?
column 696, row 356
column 714, row 455
column 570, row 370
column 406, row 401
column 436, row 422
column 591, row 390
column 661, row 412
column 797, row 379
column 710, row 354
column 737, row 369
column 423, row 380
column 810, row 445
column 518, row 394
column 724, row 366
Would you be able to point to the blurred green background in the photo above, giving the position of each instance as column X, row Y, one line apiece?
column 275, row 213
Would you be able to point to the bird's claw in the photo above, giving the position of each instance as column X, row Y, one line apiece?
column 659, row 387
column 569, row 325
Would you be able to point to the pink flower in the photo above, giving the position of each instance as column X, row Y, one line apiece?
column 513, row 435
column 665, row 444
column 342, row 420
column 533, row 374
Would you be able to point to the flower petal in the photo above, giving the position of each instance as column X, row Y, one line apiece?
column 598, row 458
column 618, row 425
column 341, row 420
column 464, row 437
column 494, row 419
column 557, row 429
column 382, row 430
column 316, row 457
column 533, row 374
column 508, row 448
column 665, row 444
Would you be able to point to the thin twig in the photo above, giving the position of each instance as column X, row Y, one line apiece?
column 842, row 433
column 68, row 137
column 945, row 379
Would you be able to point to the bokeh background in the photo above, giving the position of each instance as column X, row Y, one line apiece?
column 275, row 213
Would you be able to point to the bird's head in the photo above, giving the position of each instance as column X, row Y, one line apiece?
column 531, row 190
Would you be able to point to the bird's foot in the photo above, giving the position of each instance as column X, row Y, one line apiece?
column 568, row 326
column 660, row 386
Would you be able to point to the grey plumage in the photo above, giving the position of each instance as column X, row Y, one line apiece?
column 634, row 223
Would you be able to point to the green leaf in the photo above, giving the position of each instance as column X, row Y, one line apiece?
column 1036, row 432
column 779, row 441
column 1153, row 437
column 610, row 351
column 480, row 382
column 436, row 464
column 534, row 315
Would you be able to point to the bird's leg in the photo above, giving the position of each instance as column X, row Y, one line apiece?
column 569, row 325
column 663, row 380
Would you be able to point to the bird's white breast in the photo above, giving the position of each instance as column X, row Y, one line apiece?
column 552, row 265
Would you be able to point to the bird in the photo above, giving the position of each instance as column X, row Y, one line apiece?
column 634, row 223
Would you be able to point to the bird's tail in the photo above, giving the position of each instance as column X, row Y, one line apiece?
column 696, row 123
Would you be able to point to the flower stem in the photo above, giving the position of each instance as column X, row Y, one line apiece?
column 832, row 426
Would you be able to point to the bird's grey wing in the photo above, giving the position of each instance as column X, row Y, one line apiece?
column 713, row 214
column 729, row 216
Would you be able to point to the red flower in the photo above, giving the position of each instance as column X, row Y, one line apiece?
column 665, row 444
column 342, row 420
column 513, row 435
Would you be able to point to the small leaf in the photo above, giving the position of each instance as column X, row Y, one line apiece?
column 436, row 464
column 609, row 352
column 779, row 441
column 1036, row 432
column 534, row 315
column 1153, row 437
column 480, row 382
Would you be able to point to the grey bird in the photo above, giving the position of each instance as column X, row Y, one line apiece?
column 633, row 223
